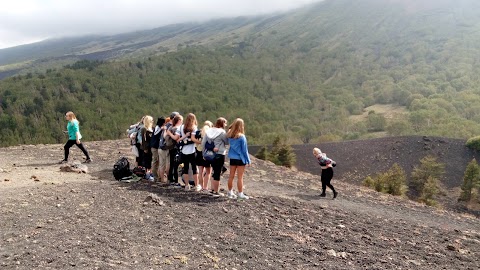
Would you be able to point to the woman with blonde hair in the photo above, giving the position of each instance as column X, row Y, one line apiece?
column 204, row 167
column 238, row 155
column 74, row 137
column 327, row 165
column 147, row 131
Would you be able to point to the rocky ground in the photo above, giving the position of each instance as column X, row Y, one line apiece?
column 62, row 220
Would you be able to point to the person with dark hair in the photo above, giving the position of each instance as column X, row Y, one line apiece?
column 172, row 132
column 164, row 153
column 154, row 144
column 74, row 137
column 218, row 135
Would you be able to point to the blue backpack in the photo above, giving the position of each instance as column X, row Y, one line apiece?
column 208, row 153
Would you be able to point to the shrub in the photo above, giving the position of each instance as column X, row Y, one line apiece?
column 474, row 143
column 430, row 190
column 425, row 179
column 392, row 181
column 262, row 153
column 470, row 180
column 281, row 153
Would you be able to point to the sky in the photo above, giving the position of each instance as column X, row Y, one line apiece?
column 28, row 21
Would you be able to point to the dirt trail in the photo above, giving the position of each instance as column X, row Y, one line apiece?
column 90, row 221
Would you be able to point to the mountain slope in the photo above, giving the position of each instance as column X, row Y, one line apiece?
column 318, row 66
column 65, row 220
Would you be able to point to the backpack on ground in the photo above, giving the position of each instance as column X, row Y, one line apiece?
column 139, row 171
column 121, row 168
column 208, row 153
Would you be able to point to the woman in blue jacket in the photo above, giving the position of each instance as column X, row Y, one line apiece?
column 238, row 155
column 74, row 136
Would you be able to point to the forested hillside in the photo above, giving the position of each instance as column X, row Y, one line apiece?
column 302, row 75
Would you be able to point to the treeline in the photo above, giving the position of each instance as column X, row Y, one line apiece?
column 305, row 97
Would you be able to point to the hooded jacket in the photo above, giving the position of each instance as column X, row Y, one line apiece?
column 219, row 138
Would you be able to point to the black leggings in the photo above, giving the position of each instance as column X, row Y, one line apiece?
column 71, row 143
column 141, row 154
column 187, row 160
column 173, row 171
column 217, row 165
column 147, row 159
column 327, row 175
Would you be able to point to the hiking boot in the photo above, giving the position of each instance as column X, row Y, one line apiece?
column 89, row 160
column 335, row 194
column 323, row 194
column 242, row 196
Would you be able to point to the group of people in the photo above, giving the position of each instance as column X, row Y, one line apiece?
column 162, row 148
column 172, row 141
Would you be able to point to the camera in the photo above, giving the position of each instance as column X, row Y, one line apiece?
column 198, row 134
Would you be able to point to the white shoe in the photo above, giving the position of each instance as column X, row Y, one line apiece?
column 198, row 188
column 242, row 196
column 187, row 187
column 231, row 195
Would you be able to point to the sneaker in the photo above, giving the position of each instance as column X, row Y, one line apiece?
column 231, row 195
column 176, row 185
column 242, row 196
column 151, row 179
column 217, row 194
column 323, row 195
column 187, row 187
column 88, row 160
column 63, row 161
column 198, row 188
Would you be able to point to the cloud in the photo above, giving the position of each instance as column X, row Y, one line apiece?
column 24, row 21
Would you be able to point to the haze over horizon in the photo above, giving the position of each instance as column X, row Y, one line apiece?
column 28, row 21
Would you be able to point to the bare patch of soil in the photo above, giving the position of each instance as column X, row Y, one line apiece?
column 90, row 221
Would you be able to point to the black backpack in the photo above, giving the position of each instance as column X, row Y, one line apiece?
column 121, row 168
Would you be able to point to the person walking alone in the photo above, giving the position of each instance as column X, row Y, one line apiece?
column 74, row 137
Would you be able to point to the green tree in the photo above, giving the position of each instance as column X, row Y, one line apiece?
column 426, row 178
column 470, row 179
column 286, row 156
column 262, row 153
column 393, row 181
column 376, row 122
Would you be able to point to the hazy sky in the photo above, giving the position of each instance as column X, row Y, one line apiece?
column 26, row 21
